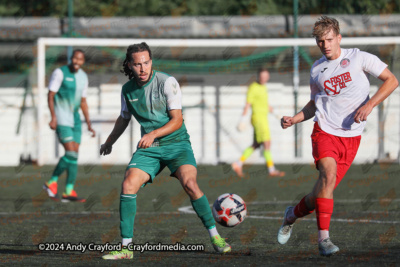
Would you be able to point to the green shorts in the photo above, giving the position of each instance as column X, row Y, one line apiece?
column 68, row 134
column 153, row 160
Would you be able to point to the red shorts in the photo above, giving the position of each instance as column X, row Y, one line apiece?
column 342, row 149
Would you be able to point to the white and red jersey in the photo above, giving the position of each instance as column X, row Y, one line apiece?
column 339, row 87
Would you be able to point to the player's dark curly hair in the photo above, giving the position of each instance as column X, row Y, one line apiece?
column 77, row 51
column 133, row 49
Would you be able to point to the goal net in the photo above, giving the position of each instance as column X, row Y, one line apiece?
column 214, row 75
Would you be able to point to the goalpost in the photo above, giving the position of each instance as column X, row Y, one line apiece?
column 42, row 43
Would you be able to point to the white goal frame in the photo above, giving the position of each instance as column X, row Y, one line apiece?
column 43, row 42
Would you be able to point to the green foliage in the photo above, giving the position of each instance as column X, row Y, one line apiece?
column 372, row 7
column 108, row 8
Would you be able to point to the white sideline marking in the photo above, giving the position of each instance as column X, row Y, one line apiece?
column 189, row 210
column 336, row 201
column 79, row 212
column 332, row 220
column 358, row 211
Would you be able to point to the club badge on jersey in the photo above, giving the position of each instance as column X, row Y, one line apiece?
column 344, row 63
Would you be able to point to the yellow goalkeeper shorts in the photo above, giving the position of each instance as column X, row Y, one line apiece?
column 261, row 129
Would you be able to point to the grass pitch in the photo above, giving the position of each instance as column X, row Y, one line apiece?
column 365, row 222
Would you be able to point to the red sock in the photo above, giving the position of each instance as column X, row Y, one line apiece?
column 301, row 209
column 324, row 209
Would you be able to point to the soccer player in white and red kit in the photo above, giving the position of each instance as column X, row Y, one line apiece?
column 340, row 102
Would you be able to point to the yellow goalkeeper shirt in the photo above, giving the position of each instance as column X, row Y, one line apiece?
column 257, row 96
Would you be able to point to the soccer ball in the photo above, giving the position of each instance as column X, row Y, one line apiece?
column 229, row 210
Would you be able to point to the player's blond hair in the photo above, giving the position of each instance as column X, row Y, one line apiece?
column 323, row 25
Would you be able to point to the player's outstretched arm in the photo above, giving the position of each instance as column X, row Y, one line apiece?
column 85, row 111
column 390, row 83
column 306, row 113
column 174, row 124
column 119, row 128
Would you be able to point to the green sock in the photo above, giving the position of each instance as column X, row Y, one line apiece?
column 202, row 208
column 127, row 212
column 247, row 153
column 60, row 168
column 72, row 170
column 69, row 188
column 53, row 179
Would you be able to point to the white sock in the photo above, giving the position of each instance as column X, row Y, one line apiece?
column 239, row 163
column 322, row 235
column 126, row 241
column 213, row 231
column 291, row 218
column 271, row 169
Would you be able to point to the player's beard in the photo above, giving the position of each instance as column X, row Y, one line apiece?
column 74, row 67
column 140, row 83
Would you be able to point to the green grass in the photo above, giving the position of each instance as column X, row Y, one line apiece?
column 368, row 193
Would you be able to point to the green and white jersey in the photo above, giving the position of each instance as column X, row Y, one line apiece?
column 69, row 88
column 150, row 104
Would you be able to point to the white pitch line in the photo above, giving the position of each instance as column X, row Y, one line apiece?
column 332, row 220
column 81, row 212
column 336, row 201
column 55, row 212
column 358, row 211
column 189, row 210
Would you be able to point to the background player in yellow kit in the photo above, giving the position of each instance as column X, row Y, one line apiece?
column 257, row 99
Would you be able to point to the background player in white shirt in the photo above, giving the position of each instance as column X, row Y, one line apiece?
column 67, row 94
column 340, row 103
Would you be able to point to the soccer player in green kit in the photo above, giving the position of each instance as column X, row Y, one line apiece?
column 154, row 99
column 67, row 93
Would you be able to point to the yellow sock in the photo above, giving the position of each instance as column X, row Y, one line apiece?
column 268, row 159
column 246, row 154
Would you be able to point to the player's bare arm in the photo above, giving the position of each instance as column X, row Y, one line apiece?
column 242, row 123
column 85, row 111
column 119, row 128
column 309, row 110
column 246, row 108
column 50, row 100
column 174, row 124
column 390, row 83
column 306, row 113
